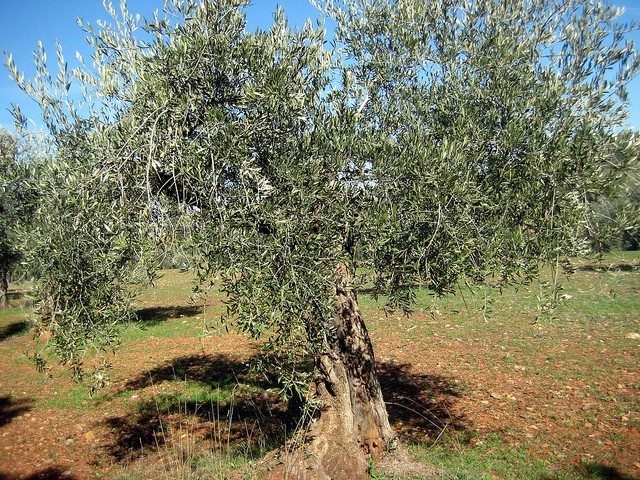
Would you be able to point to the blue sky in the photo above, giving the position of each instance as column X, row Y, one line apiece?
column 24, row 22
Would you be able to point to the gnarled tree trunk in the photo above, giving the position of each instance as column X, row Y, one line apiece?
column 353, row 425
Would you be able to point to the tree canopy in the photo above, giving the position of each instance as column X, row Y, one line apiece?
column 431, row 142
column 18, row 156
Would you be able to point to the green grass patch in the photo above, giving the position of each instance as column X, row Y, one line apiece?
column 488, row 459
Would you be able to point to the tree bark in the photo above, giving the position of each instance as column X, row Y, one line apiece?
column 4, row 289
column 353, row 425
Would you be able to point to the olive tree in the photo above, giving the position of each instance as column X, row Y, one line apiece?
column 435, row 142
column 615, row 218
column 19, row 154
column 8, row 210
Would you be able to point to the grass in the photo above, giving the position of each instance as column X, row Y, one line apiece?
column 478, row 394
column 492, row 459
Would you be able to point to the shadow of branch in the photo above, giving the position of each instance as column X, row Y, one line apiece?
column 11, row 408
column 421, row 407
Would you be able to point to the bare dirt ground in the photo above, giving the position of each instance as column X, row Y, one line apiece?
column 565, row 392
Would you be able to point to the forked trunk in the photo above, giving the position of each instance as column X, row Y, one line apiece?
column 353, row 425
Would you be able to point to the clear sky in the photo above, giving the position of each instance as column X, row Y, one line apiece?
column 24, row 22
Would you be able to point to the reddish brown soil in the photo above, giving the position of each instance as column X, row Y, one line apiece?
column 433, row 385
column 571, row 422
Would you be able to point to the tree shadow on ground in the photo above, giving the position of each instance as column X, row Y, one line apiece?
column 602, row 268
column 375, row 292
column 156, row 315
column 215, row 398
column 14, row 329
column 208, row 397
column 596, row 471
column 51, row 473
column 420, row 407
column 605, row 472
column 11, row 408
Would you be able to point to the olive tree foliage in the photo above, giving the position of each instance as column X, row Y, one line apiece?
column 614, row 222
column 500, row 119
column 10, row 205
column 84, row 247
column 199, row 113
column 495, row 123
column 20, row 154
column 437, row 142
column 8, row 210
column 231, row 126
column 88, row 243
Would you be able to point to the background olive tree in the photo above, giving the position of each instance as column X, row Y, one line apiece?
column 438, row 142
column 615, row 217
column 20, row 154
column 9, row 209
